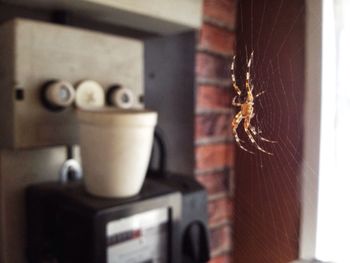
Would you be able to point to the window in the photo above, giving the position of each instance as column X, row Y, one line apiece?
column 326, row 195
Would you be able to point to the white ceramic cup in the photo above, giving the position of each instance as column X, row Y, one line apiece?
column 115, row 149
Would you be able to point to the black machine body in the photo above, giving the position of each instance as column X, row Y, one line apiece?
column 166, row 222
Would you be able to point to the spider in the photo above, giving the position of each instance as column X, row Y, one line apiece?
column 247, row 110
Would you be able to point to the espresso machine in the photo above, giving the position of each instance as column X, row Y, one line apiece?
column 165, row 222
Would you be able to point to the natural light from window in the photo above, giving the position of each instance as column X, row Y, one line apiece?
column 333, row 224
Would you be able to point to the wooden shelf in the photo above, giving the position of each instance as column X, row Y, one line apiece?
column 157, row 16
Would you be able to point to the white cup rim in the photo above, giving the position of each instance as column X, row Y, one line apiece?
column 120, row 117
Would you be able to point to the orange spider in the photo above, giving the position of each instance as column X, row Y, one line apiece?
column 247, row 110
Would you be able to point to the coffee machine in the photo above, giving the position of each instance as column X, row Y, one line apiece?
column 165, row 222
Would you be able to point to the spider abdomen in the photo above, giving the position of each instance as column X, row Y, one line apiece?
column 247, row 109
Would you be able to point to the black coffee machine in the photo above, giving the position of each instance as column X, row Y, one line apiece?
column 166, row 222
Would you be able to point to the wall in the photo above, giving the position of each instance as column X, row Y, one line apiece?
column 214, row 150
column 18, row 170
column 169, row 82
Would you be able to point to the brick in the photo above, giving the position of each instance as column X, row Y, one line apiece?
column 215, row 182
column 214, row 156
column 213, row 97
column 220, row 210
column 212, row 67
column 217, row 39
column 223, row 11
column 213, row 125
column 221, row 238
column 222, row 259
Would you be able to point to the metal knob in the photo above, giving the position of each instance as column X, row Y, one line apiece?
column 89, row 95
column 120, row 97
column 58, row 95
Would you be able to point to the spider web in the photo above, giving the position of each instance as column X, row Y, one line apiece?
column 268, row 188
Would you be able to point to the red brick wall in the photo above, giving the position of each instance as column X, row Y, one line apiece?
column 214, row 146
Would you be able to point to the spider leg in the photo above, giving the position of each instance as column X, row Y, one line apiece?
column 247, row 130
column 260, row 93
column 235, row 122
column 257, row 133
column 235, row 103
column 234, row 83
column 254, row 130
column 249, row 67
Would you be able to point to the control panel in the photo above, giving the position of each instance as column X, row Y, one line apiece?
column 47, row 70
